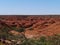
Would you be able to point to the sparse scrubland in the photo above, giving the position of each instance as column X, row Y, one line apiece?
column 29, row 30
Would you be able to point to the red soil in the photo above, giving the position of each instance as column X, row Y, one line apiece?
column 36, row 26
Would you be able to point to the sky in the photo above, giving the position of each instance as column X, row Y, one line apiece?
column 29, row 7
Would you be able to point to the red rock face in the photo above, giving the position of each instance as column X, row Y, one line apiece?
column 35, row 26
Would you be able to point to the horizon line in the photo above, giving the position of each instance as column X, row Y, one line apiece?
column 29, row 14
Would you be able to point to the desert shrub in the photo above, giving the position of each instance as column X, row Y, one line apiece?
column 41, row 41
column 14, row 28
column 52, row 40
column 21, row 30
column 30, row 28
column 3, row 35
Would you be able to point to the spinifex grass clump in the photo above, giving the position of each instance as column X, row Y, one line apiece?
column 52, row 40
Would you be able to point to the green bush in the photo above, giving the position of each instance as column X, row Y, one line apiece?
column 52, row 40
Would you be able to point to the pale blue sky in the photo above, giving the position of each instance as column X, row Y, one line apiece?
column 29, row 7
